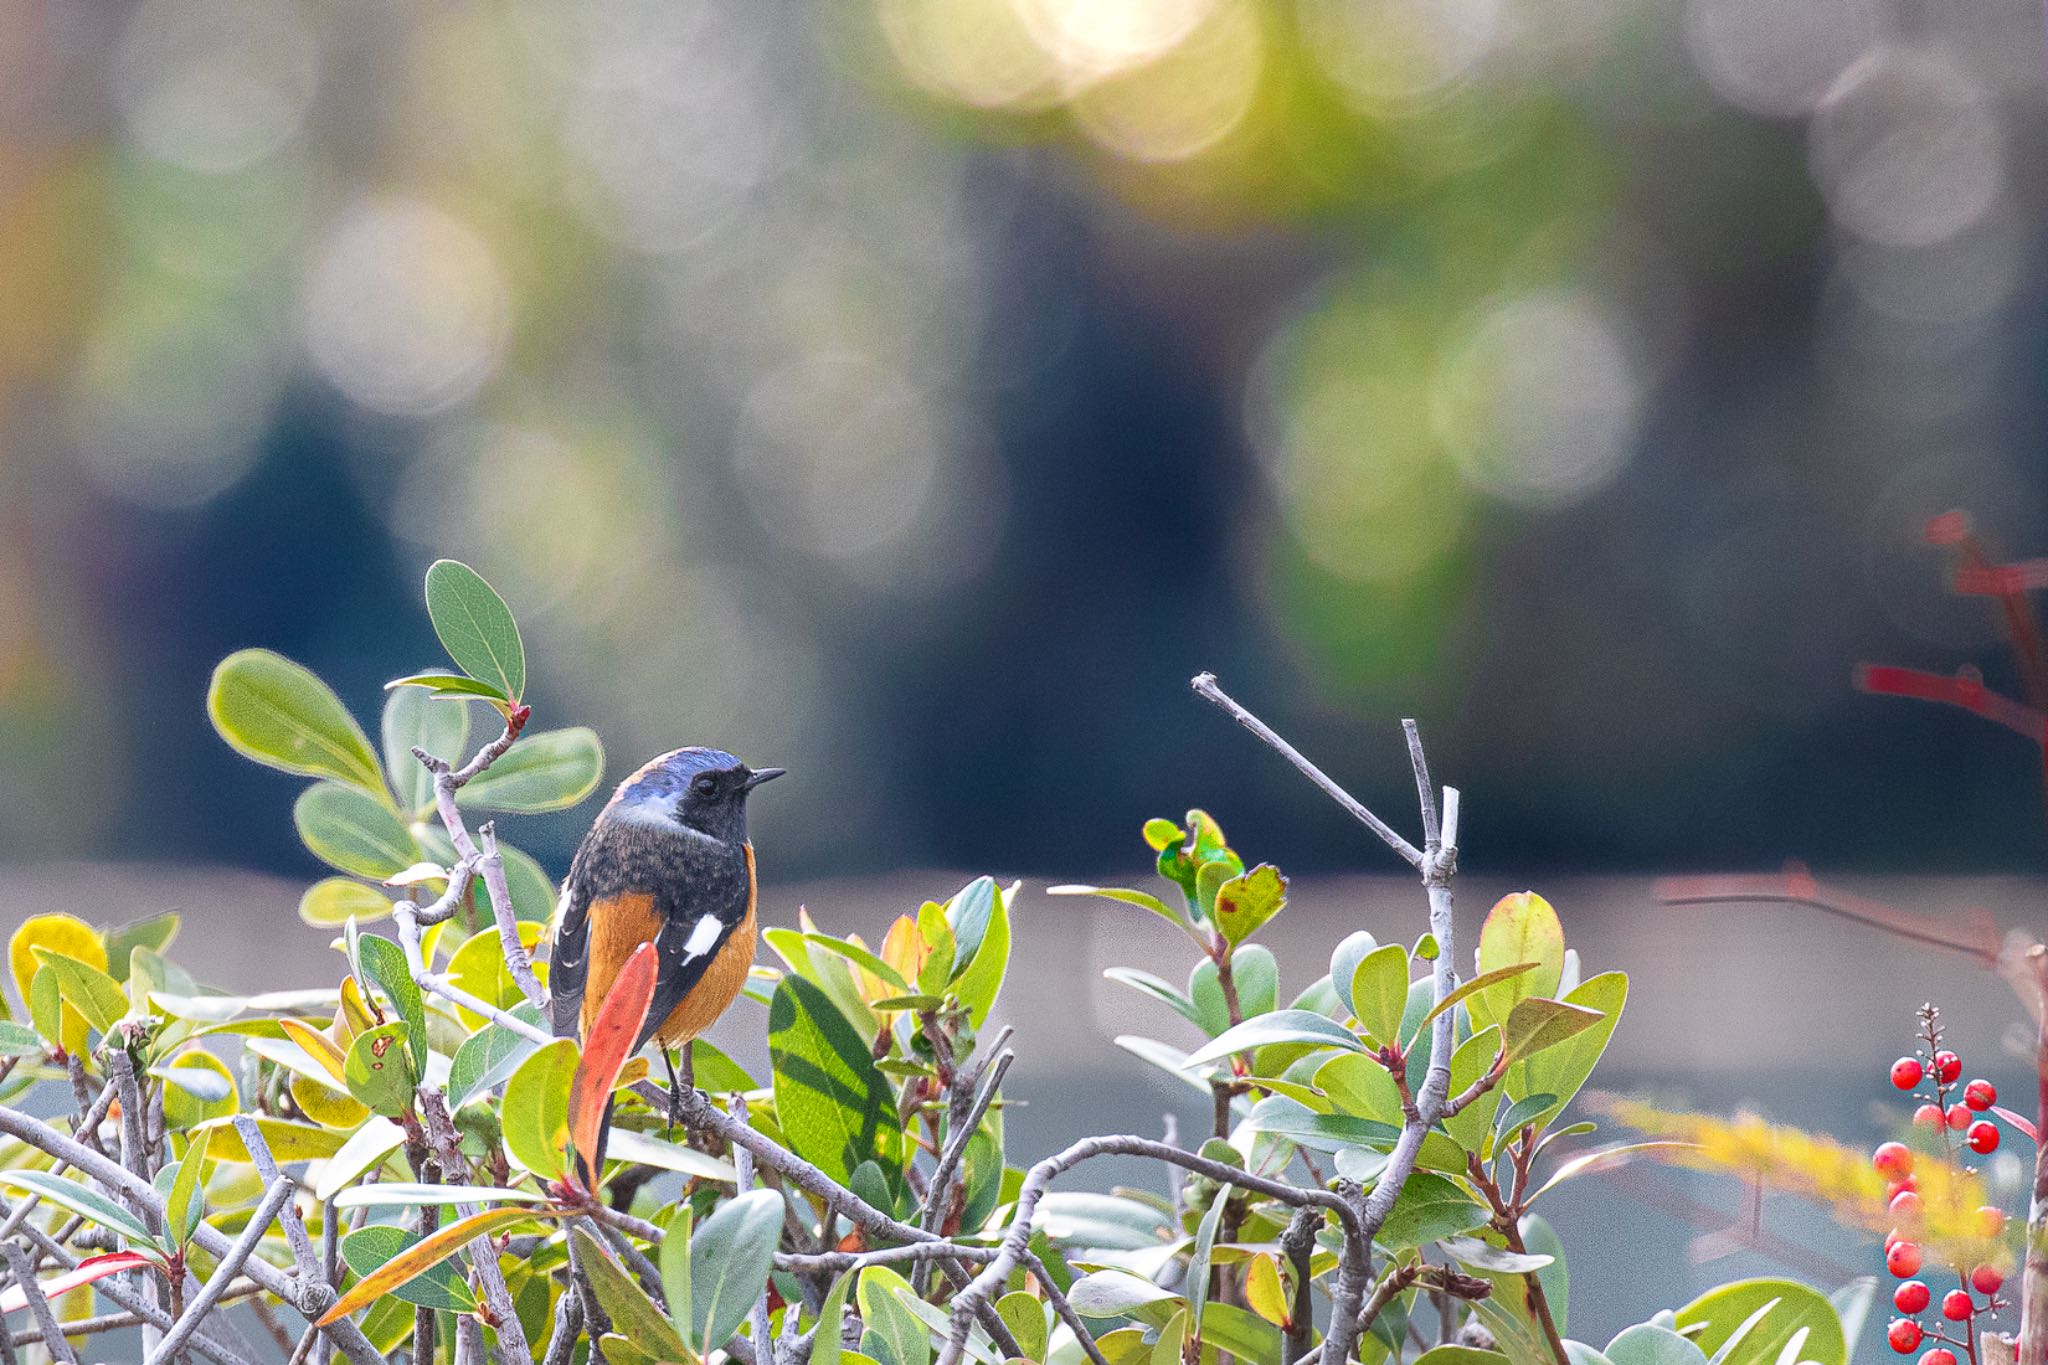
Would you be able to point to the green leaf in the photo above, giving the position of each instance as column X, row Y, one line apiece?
column 673, row 1261
column 1197, row 1277
column 379, row 1070
column 18, row 1040
column 1474, row 1057
column 95, row 995
column 546, row 770
column 450, row 687
column 154, row 933
column 91, row 1204
column 825, row 1343
column 1648, row 1344
column 1537, row 1023
column 1161, row 835
column 1114, row 1293
column 349, row 829
column 1024, row 1316
column 836, row 1109
column 730, row 1257
column 1244, row 903
column 1117, row 893
column 1430, row 1207
column 440, row 1286
column 384, row 962
column 937, row 972
column 1563, row 1069
column 1786, row 1308
column 861, row 957
column 334, row 901
column 1379, row 992
column 412, row 720
column 1162, row 991
column 887, row 1316
column 405, row 1195
column 536, row 1109
column 1344, row 960
column 1520, row 928
column 1256, row 975
column 1541, row 1239
column 476, row 627
column 716, row 1072
column 488, row 1056
column 1480, row 1255
column 644, row 1150
column 1299, row 1124
column 1359, row 1086
column 187, row 1202
column 634, row 1315
column 967, row 916
column 1281, row 1026
column 1460, row 1355
column 978, row 986
column 1477, row 984
column 533, row 892
column 1523, row 1112
column 274, row 711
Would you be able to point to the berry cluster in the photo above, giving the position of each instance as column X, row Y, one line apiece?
column 1938, row 1069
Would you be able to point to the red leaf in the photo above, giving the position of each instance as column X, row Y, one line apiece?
column 90, row 1269
column 1947, row 529
column 605, row 1049
column 2024, row 1125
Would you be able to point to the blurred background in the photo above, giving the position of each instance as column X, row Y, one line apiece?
column 914, row 393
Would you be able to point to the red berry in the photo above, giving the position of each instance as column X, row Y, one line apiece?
column 1940, row 1355
column 1928, row 1116
column 1959, row 1115
column 1990, row 1221
column 1986, row 1279
column 1905, row 1207
column 1956, row 1305
column 1893, row 1189
column 1983, row 1136
column 1903, row 1260
column 1892, row 1160
column 1980, row 1095
column 1904, row 1334
column 1911, row 1297
column 1906, row 1072
column 1947, row 1066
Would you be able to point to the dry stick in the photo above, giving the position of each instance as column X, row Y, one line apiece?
column 274, row 1199
column 488, row 861
column 87, row 1124
column 1064, row 1309
column 469, row 1340
column 568, row 1326
column 38, row 1306
column 303, row 1256
column 115, row 1322
column 1437, row 862
column 312, row 1299
column 698, row 1112
column 757, row 1316
column 1299, row 1242
column 7, row 1356
column 490, row 1277
column 131, row 1298
column 965, row 1121
column 1017, row 1237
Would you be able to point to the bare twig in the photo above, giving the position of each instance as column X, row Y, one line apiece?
column 116, row 1322
column 274, row 1198
column 1016, row 1239
column 490, row 1277
column 486, row 860
column 967, row 1122
column 1065, row 1309
column 757, row 1316
column 38, row 1306
column 311, row 1299
column 1205, row 686
column 303, row 1255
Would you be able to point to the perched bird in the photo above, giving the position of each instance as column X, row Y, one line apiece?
column 668, row 863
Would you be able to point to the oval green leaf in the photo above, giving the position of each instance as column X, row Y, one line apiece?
column 412, row 720
column 333, row 901
column 731, row 1254
column 549, row 770
column 836, row 1109
column 348, row 829
column 278, row 713
column 476, row 627
column 536, row 1111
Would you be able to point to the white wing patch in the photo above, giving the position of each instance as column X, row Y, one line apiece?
column 704, row 935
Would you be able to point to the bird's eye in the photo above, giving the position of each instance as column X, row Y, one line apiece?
column 705, row 786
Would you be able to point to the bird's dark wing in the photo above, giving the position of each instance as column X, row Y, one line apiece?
column 687, row 946
column 569, row 960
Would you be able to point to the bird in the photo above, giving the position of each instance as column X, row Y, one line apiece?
column 667, row 862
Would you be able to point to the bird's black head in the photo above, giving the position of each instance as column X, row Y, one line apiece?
column 699, row 791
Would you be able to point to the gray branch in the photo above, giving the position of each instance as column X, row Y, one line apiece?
column 39, row 1307
column 487, row 860
column 274, row 1198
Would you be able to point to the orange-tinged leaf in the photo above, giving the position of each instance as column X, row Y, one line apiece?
column 904, row 948
column 425, row 1254
column 609, row 1042
column 318, row 1046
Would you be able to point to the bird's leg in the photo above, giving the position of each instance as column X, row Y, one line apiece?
column 675, row 1085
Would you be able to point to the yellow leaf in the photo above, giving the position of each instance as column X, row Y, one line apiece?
column 326, row 1106
column 1265, row 1291
column 318, row 1046
column 57, row 933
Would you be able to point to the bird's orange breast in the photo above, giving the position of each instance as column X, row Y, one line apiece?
column 619, row 924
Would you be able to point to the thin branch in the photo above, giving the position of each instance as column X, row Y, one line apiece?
column 490, row 1277
column 963, row 1132
column 743, row 1166
column 1205, row 686
column 1065, row 1309
column 1016, row 1239
column 1425, row 794
column 832, row 1262
column 274, row 1199
column 91, row 1120
column 115, row 1322
column 487, row 860
column 303, row 1255
column 409, row 918
column 38, row 1306
column 311, row 1299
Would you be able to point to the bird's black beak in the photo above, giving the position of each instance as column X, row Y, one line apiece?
column 760, row 775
